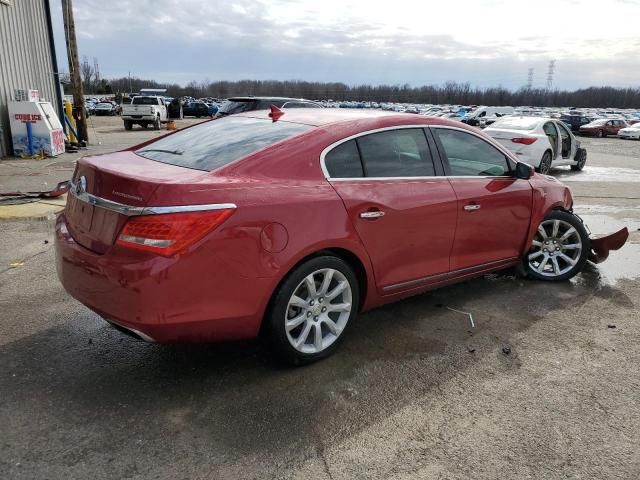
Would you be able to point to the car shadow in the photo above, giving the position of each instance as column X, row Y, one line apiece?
column 85, row 380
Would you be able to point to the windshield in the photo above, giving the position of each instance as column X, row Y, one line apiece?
column 598, row 122
column 216, row 143
column 516, row 123
column 144, row 101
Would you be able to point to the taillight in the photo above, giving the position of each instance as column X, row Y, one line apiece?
column 168, row 234
column 524, row 140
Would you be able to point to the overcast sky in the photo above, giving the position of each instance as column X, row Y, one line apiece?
column 485, row 42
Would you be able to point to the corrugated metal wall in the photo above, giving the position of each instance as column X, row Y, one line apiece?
column 25, row 57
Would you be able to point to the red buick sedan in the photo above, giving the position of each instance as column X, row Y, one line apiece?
column 292, row 223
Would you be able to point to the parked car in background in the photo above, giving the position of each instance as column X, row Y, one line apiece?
column 630, row 132
column 574, row 122
column 104, row 108
column 483, row 116
column 267, row 223
column 541, row 142
column 603, row 127
column 246, row 104
column 144, row 111
column 196, row 109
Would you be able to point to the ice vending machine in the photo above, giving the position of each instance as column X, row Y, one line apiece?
column 35, row 128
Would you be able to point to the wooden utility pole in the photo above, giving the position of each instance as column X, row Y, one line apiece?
column 74, row 70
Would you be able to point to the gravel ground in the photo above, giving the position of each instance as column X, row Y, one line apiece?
column 545, row 386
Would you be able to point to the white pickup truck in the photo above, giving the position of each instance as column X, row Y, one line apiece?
column 144, row 110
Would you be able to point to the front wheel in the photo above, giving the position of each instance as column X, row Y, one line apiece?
column 312, row 308
column 560, row 248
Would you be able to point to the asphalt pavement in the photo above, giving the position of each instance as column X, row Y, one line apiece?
column 546, row 385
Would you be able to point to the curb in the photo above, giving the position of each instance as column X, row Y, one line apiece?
column 39, row 209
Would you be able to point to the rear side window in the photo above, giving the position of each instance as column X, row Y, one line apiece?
column 469, row 155
column 344, row 161
column 216, row 143
column 396, row 153
column 144, row 101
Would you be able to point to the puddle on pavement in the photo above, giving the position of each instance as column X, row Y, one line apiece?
column 603, row 224
column 599, row 174
column 621, row 264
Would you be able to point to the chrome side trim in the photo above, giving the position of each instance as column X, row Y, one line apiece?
column 446, row 275
column 132, row 211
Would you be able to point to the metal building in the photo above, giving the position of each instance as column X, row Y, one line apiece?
column 27, row 57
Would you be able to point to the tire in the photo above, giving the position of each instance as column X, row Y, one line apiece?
column 561, row 253
column 156, row 123
column 581, row 158
column 545, row 163
column 128, row 125
column 318, row 330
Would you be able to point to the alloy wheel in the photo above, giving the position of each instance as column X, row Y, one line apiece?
column 556, row 248
column 318, row 310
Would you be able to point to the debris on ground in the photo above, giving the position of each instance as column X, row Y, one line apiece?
column 611, row 326
column 16, row 264
column 506, row 349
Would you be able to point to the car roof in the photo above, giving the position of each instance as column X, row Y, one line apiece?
column 318, row 117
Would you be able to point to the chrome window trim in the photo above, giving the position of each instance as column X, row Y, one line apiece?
column 326, row 150
column 132, row 211
column 362, row 134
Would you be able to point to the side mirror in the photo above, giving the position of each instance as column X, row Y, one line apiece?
column 523, row 171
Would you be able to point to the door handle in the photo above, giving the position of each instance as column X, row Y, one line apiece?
column 372, row 214
column 471, row 207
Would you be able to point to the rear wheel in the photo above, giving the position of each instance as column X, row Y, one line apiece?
column 545, row 163
column 128, row 125
column 560, row 248
column 581, row 158
column 312, row 309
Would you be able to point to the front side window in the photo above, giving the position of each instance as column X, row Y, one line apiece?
column 211, row 145
column 396, row 153
column 469, row 155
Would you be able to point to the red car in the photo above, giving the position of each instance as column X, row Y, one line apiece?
column 603, row 127
column 291, row 223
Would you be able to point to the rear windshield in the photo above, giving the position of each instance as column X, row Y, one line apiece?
column 516, row 123
column 235, row 106
column 145, row 101
column 216, row 143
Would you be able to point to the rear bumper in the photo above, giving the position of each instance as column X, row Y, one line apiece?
column 137, row 118
column 194, row 298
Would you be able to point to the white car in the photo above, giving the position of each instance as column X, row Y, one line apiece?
column 541, row 142
column 630, row 132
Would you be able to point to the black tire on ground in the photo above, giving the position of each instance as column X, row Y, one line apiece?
column 581, row 158
column 545, row 163
column 275, row 317
column 157, row 123
column 577, row 224
column 128, row 125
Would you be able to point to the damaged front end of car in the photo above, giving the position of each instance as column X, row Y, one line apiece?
column 601, row 245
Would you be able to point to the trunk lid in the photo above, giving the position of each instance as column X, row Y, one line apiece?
column 124, row 178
